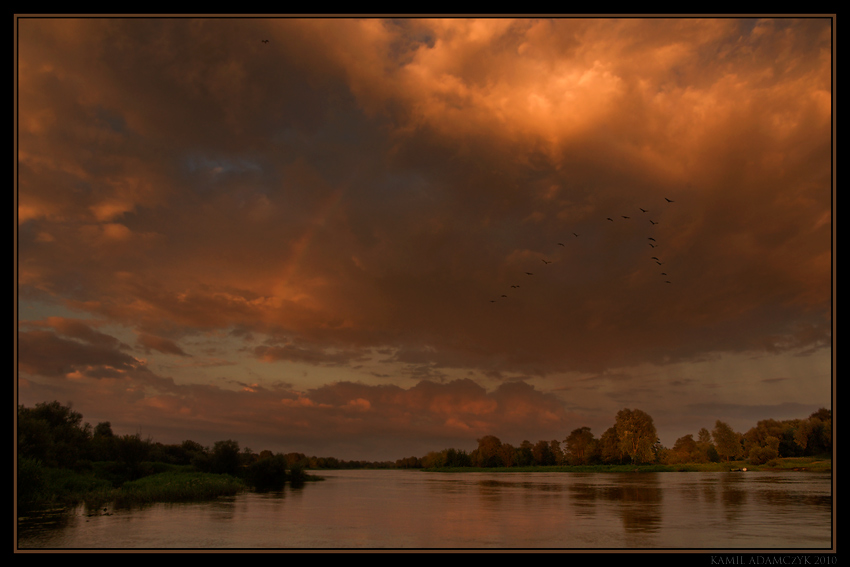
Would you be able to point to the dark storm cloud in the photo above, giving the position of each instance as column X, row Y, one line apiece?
column 363, row 186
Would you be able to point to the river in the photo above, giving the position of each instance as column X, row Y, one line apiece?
column 405, row 509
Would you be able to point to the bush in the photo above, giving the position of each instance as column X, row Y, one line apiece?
column 32, row 482
column 761, row 455
column 297, row 474
column 268, row 473
column 225, row 457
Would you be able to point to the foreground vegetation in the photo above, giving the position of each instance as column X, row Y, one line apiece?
column 63, row 462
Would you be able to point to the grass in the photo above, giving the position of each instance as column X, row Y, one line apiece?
column 177, row 487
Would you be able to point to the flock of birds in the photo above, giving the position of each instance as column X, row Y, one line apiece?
column 653, row 243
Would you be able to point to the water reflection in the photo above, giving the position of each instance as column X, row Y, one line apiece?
column 413, row 509
column 637, row 500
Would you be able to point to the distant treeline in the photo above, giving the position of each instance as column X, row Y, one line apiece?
column 53, row 435
column 633, row 440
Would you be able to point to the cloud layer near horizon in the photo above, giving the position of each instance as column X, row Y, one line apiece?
column 353, row 198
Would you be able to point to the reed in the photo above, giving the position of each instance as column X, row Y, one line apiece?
column 177, row 487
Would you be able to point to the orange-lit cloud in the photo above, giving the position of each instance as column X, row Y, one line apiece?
column 357, row 196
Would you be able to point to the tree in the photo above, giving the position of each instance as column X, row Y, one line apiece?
column 268, row 473
column 609, row 447
column 524, row 454
column 487, row 454
column 728, row 442
column 707, row 450
column 131, row 451
column 580, row 445
column 557, row 452
column 542, row 453
column 636, row 434
column 53, row 434
column 684, row 450
column 103, row 442
column 224, row 458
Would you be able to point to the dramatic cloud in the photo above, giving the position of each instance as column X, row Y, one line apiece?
column 402, row 205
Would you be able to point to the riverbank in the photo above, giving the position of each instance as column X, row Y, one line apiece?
column 62, row 488
column 810, row 464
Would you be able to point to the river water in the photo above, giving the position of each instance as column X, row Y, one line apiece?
column 401, row 509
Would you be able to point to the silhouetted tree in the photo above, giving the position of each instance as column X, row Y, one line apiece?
column 224, row 458
column 268, row 473
column 131, row 452
column 53, row 434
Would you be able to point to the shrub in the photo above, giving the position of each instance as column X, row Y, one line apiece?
column 32, row 482
column 268, row 473
column 761, row 455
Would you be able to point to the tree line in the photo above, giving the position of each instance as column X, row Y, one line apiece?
column 57, row 450
column 633, row 439
column 53, row 435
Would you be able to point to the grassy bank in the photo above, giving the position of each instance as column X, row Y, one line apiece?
column 811, row 464
column 41, row 488
column 177, row 487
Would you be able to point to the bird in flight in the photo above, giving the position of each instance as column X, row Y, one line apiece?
column 644, row 210
column 652, row 239
column 669, row 200
column 610, row 219
column 560, row 244
column 265, row 41
column 653, row 245
column 515, row 286
column 529, row 274
column 547, row 262
column 576, row 235
column 627, row 217
column 652, row 221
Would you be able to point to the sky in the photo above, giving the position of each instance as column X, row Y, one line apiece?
column 375, row 238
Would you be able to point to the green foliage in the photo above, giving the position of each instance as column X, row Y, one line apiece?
column 177, row 487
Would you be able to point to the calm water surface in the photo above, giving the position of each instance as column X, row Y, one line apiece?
column 414, row 509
